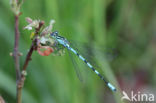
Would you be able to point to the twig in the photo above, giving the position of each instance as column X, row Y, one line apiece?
column 16, row 45
column 20, row 77
column 28, row 58
column 33, row 47
column 16, row 57
column 16, row 54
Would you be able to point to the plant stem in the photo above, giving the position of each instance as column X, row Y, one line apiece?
column 20, row 76
column 33, row 47
column 16, row 58
column 21, row 80
column 16, row 45
column 28, row 58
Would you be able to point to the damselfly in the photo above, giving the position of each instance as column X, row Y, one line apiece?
column 64, row 42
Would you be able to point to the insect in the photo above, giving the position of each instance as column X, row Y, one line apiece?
column 64, row 42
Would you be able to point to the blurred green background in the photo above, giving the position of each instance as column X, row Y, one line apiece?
column 129, row 26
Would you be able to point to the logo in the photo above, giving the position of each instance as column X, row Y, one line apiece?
column 140, row 97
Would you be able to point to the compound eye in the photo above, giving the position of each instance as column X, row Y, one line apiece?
column 56, row 33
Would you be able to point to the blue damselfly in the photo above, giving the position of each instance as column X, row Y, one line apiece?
column 65, row 43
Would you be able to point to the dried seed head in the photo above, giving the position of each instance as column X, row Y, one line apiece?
column 29, row 20
column 15, row 6
column 48, row 29
column 32, row 23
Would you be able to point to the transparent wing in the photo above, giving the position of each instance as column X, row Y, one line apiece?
column 87, row 51
column 76, row 67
